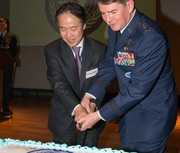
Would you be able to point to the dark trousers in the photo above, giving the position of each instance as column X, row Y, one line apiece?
column 6, row 87
column 84, row 138
column 156, row 146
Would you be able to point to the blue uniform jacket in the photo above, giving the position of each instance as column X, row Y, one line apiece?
column 147, row 100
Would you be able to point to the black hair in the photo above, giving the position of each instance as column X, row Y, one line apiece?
column 72, row 8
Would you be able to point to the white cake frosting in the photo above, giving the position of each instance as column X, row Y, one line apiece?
column 16, row 146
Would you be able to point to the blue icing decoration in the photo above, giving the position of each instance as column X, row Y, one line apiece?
column 48, row 151
column 52, row 147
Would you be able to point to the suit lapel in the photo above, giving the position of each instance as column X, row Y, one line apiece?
column 70, row 65
column 122, row 40
column 86, row 60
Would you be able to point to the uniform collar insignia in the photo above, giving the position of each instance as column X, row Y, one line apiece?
column 129, row 31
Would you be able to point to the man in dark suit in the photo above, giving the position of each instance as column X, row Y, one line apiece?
column 140, row 58
column 9, row 41
column 67, row 81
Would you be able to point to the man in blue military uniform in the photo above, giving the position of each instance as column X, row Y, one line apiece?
column 140, row 58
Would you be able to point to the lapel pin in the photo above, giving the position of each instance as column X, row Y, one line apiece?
column 129, row 30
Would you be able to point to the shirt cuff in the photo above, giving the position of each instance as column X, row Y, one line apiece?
column 91, row 95
column 72, row 114
column 101, row 116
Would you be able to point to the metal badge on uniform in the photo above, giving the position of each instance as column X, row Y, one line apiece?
column 125, row 59
column 128, row 74
column 129, row 42
column 91, row 73
column 125, row 48
column 7, row 44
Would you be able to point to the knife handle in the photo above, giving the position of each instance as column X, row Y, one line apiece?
column 79, row 125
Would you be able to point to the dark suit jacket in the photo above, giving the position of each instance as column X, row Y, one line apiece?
column 9, row 41
column 147, row 100
column 63, row 76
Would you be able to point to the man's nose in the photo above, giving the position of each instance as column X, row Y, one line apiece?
column 69, row 33
column 108, row 18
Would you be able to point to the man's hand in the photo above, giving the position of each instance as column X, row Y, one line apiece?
column 85, row 103
column 79, row 112
column 88, row 121
column 92, row 107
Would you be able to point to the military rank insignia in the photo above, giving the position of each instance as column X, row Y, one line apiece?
column 124, row 58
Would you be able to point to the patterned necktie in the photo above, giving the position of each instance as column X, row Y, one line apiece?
column 77, row 58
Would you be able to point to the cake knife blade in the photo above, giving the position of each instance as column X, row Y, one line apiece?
column 74, row 135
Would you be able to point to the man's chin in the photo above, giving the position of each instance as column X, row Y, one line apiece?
column 114, row 28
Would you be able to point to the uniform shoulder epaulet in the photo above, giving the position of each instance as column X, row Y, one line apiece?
column 10, row 34
column 145, row 28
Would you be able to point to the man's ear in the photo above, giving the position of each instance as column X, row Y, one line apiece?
column 6, row 26
column 84, row 26
column 130, row 5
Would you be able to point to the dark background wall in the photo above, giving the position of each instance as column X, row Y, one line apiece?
column 4, row 9
column 168, row 16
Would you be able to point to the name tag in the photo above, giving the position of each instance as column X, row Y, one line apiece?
column 91, row 73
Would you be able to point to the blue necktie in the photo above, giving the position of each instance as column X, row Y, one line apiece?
column 119, row 34
column 77, row 58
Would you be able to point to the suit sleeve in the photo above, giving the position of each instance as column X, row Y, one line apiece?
column 64, row 95
column 150, row 60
